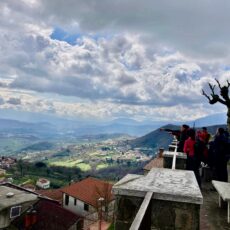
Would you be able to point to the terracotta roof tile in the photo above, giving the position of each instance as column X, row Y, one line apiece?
column 52, row 216
column 155, row 163
column 90, row 190
column 55, row 194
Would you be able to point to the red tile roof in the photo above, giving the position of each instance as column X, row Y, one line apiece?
column 51, row 216
column 90, row 190
column 55, row 194
column 43, row 180
column 155, row 163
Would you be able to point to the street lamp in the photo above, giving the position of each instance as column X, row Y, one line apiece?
column 100, row 201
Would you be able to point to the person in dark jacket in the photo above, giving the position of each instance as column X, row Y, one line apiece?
column 181, row 135
column 220, row 146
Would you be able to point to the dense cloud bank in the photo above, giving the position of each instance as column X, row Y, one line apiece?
column 112, row 59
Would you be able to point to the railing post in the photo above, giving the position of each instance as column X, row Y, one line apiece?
column 174, row 159
column 141, row 212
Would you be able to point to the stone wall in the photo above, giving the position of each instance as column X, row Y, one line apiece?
column 180, row 163
column 163, row 215
column 126, row 209
column 174, row 215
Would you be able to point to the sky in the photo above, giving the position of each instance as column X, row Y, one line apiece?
column 101, row 60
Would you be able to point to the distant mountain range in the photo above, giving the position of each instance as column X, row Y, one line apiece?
column 42, row 125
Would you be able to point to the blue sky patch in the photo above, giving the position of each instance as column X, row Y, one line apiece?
column 71, row 38
column 62, row 35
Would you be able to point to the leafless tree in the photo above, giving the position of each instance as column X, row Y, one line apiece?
column 222, row 98
column 105, row 193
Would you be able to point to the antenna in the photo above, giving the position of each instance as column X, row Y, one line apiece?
column 194, row 125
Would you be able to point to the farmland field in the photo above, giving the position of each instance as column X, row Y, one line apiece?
column 68, row 163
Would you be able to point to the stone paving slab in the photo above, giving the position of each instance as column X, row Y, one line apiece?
column 166, row 184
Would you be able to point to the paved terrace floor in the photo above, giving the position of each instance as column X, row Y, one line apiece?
column 212, row 217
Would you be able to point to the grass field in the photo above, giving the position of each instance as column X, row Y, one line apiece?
column 102, row 166
column 84, row 167
column 66, row 163
column 71, row 163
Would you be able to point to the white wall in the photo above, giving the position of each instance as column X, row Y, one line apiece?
column 78, row 208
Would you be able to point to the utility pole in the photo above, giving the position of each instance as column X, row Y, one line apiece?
column 100, row 201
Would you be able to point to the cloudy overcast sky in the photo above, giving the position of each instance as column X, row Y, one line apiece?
column 103, row 59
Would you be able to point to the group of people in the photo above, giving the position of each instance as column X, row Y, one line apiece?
column 200, row 148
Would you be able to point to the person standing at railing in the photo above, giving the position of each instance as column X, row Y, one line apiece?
column 205, row 137
column 192, row 148
column 181, row 135
column 220, row 148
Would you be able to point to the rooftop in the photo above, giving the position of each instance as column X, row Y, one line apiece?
column 18, row 197
column 55, row 194
column 155, row 163
column 90, row 190
column 51, row 216
column 43, row 180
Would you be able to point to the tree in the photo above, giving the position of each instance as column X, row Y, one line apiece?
column 40, row 164
column 21, row 167
column 223, row 98
column 103, row 198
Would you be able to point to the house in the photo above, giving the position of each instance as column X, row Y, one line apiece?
column 43, row 183
column 156, row 162
column 49, row 215
column 21, row 208
column 87, row 196
column 14, row 202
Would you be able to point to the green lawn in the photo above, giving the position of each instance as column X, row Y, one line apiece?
column 68, row 163
column 102, row 166
column 84, row 167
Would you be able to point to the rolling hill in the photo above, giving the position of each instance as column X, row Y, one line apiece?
column 158, row 138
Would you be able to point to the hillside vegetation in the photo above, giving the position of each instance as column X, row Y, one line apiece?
column 158, row 138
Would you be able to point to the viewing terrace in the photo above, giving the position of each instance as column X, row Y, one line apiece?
column 167, row 198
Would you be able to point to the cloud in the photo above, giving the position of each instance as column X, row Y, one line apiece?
column 118, row 70
column 196, row 27
column 112, row 58
column 14, row 101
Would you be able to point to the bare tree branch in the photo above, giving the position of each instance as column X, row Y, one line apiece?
column 228, row 83
column 205, row 94
column 222, row 101
column 212, row 87
column 218, row 83
column 223, row 93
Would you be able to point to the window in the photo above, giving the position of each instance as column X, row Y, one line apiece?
column 66, row 199
column 15, row 211
column 86, row 207
column 75, row 201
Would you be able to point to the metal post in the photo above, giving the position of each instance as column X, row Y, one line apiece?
column 100, row 201
column 174, row 159
column 228, row 212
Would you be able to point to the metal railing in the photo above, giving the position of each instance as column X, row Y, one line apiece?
column 174, row 158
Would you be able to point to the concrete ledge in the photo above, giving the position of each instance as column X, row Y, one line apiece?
column 166, row 184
